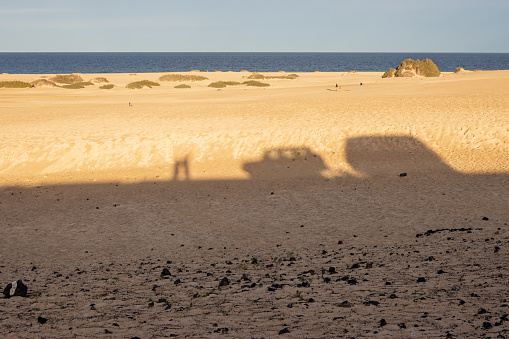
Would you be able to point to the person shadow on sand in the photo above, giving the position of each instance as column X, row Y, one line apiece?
column 181, row 170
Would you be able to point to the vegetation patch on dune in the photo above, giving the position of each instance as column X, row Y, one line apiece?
column 217, row 84
column 78, row 85
column 141, row 84
column 258, row 76
column 85, row 83
column 66, row 79
column 100, row 80
column 231, row 83
column 222, row 84
column 73, row 86
column 43, row 83
column 182, row 77
column 108, row 86
column 411, row 68
column 14, row 84
column 182, row 86
column 255, row 83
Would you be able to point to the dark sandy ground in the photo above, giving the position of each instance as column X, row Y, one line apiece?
column 416, row 256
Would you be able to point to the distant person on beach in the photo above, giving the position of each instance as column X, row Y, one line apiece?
column 130, row 105
column 361, row 85
column 336, row 87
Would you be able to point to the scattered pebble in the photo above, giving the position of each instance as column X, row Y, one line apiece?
column 284, row 331
column 224, row 282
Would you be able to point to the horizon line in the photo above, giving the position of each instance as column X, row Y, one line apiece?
column 317, row 52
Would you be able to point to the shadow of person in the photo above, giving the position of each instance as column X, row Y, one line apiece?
column 286, row 163
column 181, row 172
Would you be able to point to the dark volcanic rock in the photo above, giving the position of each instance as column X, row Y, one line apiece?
column 224, row 282
column 16, row 288
column 41, row 320
column 345, row 304
column 165, row 272
column 487, row 325
column 284, row 331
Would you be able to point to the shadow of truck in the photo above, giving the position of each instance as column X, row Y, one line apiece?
column 286, row 163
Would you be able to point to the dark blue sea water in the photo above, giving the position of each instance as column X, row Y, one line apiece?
column 59, row 63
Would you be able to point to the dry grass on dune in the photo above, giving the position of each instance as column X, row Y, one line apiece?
column 66, row 79
column 14, row 84
column 222, row 84
column 141, row 84
column 255, row 83
column 78, row 85
column 108, row 86
column 181, row 77
column 100, row 80
column 43, row 83
column 258, row 76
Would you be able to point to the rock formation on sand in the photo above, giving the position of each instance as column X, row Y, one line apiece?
column 412, row 68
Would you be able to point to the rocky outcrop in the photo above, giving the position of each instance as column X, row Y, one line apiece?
column 412, row 68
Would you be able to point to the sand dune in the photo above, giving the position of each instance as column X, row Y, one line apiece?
column 292, row 192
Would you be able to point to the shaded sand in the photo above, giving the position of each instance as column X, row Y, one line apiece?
column 291, row 192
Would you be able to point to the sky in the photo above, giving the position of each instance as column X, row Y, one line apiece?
column 254, row 26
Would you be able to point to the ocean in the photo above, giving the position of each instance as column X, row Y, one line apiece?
column 64, row 63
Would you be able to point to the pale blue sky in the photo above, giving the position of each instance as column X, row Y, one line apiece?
column 254, row 26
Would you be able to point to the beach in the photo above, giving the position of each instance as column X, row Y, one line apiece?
column 292, row 210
